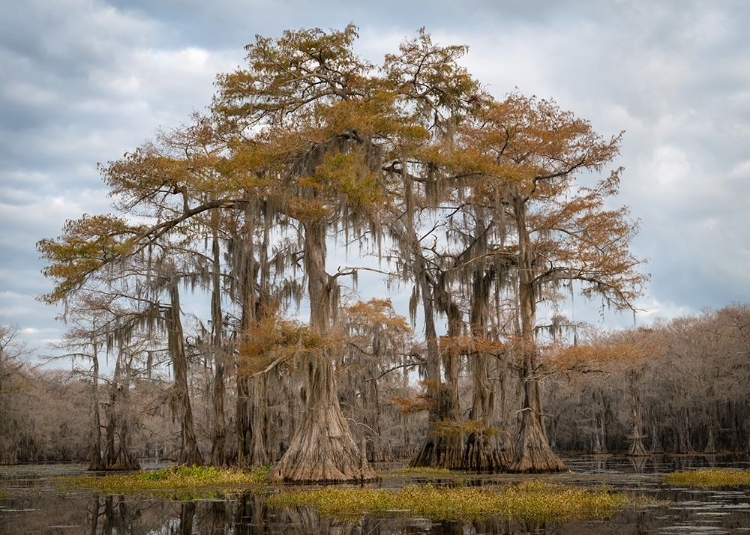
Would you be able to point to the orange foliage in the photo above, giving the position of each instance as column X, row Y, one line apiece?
column 409, row 406
column 614, row 353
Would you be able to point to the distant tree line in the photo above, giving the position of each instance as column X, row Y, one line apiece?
column 681, row 386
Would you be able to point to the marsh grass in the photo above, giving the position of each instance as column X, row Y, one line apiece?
column 182, row 481
column 533, row 500
column 422, row 471
column 710, row 477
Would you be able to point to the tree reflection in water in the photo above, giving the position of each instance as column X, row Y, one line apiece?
column 36, row 508
column 247, row 514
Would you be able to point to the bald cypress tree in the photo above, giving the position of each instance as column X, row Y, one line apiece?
column 307, row 145
column 528, row 154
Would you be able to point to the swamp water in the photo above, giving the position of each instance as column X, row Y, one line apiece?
column 31, row 503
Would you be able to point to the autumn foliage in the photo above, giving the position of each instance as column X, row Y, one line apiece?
column 471, row 203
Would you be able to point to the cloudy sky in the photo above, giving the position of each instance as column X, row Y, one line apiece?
column 84, row 81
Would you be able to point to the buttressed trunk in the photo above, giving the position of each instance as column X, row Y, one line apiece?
column 443, row 445
column 432, row 451
column 532, row 452
column 117, row 454
column 322, row 448
column 481, row 452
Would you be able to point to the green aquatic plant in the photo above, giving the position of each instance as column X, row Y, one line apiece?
column 183, row 478
column 421, row 471
column 532, row 500
column 710, row 477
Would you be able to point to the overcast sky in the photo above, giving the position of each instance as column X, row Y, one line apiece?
column 84, row 81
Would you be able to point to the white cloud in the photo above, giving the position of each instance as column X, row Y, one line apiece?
column 92, row 79
column 671, row 169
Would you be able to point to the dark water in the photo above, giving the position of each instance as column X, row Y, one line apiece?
column 33, row 505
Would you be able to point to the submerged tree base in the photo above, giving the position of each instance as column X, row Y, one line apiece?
column 481, row 454
column 533, row 453
column 322, row 451
column 439, row 451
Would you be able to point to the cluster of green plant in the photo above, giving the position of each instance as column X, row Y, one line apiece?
column 170, row 479
column 710, row 477
column 532, row 500
column 3, row 494
column 426, row 471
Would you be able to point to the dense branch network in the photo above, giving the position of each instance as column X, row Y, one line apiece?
column 471, row 201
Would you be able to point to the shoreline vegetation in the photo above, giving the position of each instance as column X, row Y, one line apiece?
column 527, row 500
column 710, row 477
column 183, row 478
column 530, row 500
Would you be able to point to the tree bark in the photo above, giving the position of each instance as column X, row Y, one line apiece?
column 96, row 462
column 219, row 432
column 656, row 445
column 189, row 453
column 322, row 448
column 532, row 452
column 482, row 452
column 637, row 449
column 442, row 446
column 117, row 454
column 258, row 447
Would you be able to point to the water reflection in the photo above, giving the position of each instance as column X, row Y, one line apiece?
column 33, row 506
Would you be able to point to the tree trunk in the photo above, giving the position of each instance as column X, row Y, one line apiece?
column 117, row 455
column 322, row 448
column 252, row 394
column 96, row 462
column 656, row 445
column 710, row 440
column 219, row 432
column 532, row 452
column 258, row 449
column 481, row 452
column 442, row 446
column 242, row 420
column 637, row 449
column 189, row 453
column 684, row 438
column 598, row 434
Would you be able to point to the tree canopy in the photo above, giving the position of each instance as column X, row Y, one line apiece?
column 472, row 201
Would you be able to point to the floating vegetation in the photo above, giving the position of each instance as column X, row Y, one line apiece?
column 710, row 477
column 422, row 470
column 533, row 500
column 185, row 478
